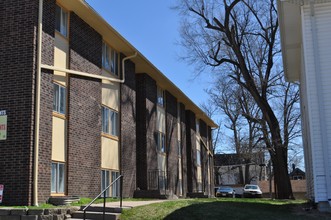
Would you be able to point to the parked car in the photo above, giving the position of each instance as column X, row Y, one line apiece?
column 225, row 191
column 252, row 191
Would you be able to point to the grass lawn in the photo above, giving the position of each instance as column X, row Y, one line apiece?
column 81, row 202
column 224, row 209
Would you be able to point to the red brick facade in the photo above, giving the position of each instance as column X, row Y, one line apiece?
column 138, row 113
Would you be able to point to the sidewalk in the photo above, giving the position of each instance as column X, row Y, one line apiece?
column 131, row 204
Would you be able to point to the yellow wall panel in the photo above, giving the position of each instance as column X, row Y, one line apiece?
column 180, row 168
column 61, row 51
column 198, row 146
column 59, row 139
column 110, row 95
column 162, row 162
column 160, row 121
column 199, row 176
column 109, row 154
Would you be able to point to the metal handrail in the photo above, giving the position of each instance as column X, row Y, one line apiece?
column 104, row 198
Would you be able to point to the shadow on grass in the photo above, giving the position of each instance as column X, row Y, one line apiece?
column 240, row 210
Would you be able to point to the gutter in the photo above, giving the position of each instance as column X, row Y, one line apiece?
column 37, row 105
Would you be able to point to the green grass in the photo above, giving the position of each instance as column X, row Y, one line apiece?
column 246, row 209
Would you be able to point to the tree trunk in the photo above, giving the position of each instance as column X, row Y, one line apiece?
column 241, row 175
column 247, row 176
column 283, row 188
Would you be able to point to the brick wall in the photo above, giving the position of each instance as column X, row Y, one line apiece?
column 45, row 136
column 183, row 141
column 86, row 43
column 84, row 137
column 128, row 130
column 204, row 169
column 203, row 130
column 84, row 114
column 17, row 69
column 211, row 161
column 191, row 152
column 171, row 141
column 204, row 156
column 146, row 127
column 46, row 103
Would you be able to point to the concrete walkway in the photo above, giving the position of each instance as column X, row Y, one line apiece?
column 131, row 204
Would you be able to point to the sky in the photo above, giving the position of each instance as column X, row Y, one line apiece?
column 152, row 27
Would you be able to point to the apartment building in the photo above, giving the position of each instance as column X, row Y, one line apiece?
column 82, row 106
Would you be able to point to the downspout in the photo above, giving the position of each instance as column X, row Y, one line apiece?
column 321, row 112
column 37, row 110
column 37, row 107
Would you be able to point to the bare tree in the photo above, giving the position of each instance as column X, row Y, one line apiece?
column 211, row 110
column 239, row 39
column 234, row 103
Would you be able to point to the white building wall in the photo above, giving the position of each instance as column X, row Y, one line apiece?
column 317, row 58
column 305, row 134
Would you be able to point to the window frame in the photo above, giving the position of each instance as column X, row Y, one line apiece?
column 160, row 100
column 110, row 123
column 110, row 59
column 179, row 148
column 63, row 26
column 197, row 126
column 58, row 188
column 115, row 189
column 105, row 181
column 161, row 146
column 59, row 98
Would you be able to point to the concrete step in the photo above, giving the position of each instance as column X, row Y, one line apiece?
column 96, row 215
column 78, row 219
column 100, row 209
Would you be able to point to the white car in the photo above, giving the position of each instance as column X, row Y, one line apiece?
column 252, row 191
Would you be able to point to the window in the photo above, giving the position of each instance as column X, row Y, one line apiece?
column 179, row 145
column 197, row 126
column 180, row 182
column 160, row 96
column 160, row 142
column 59, row 99
column 109, row 121
column 105, row 181
column 57, row 184
column 61, row 21
column 110, row 59
column 198, row 158
column 116, row 185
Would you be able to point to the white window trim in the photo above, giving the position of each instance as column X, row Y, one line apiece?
column 113, row 125
column 110, row 59
column 59, row 98
column 105, row 182
column 160, row 97
column 57, row 191
column 161, row 145
column 64, row 15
